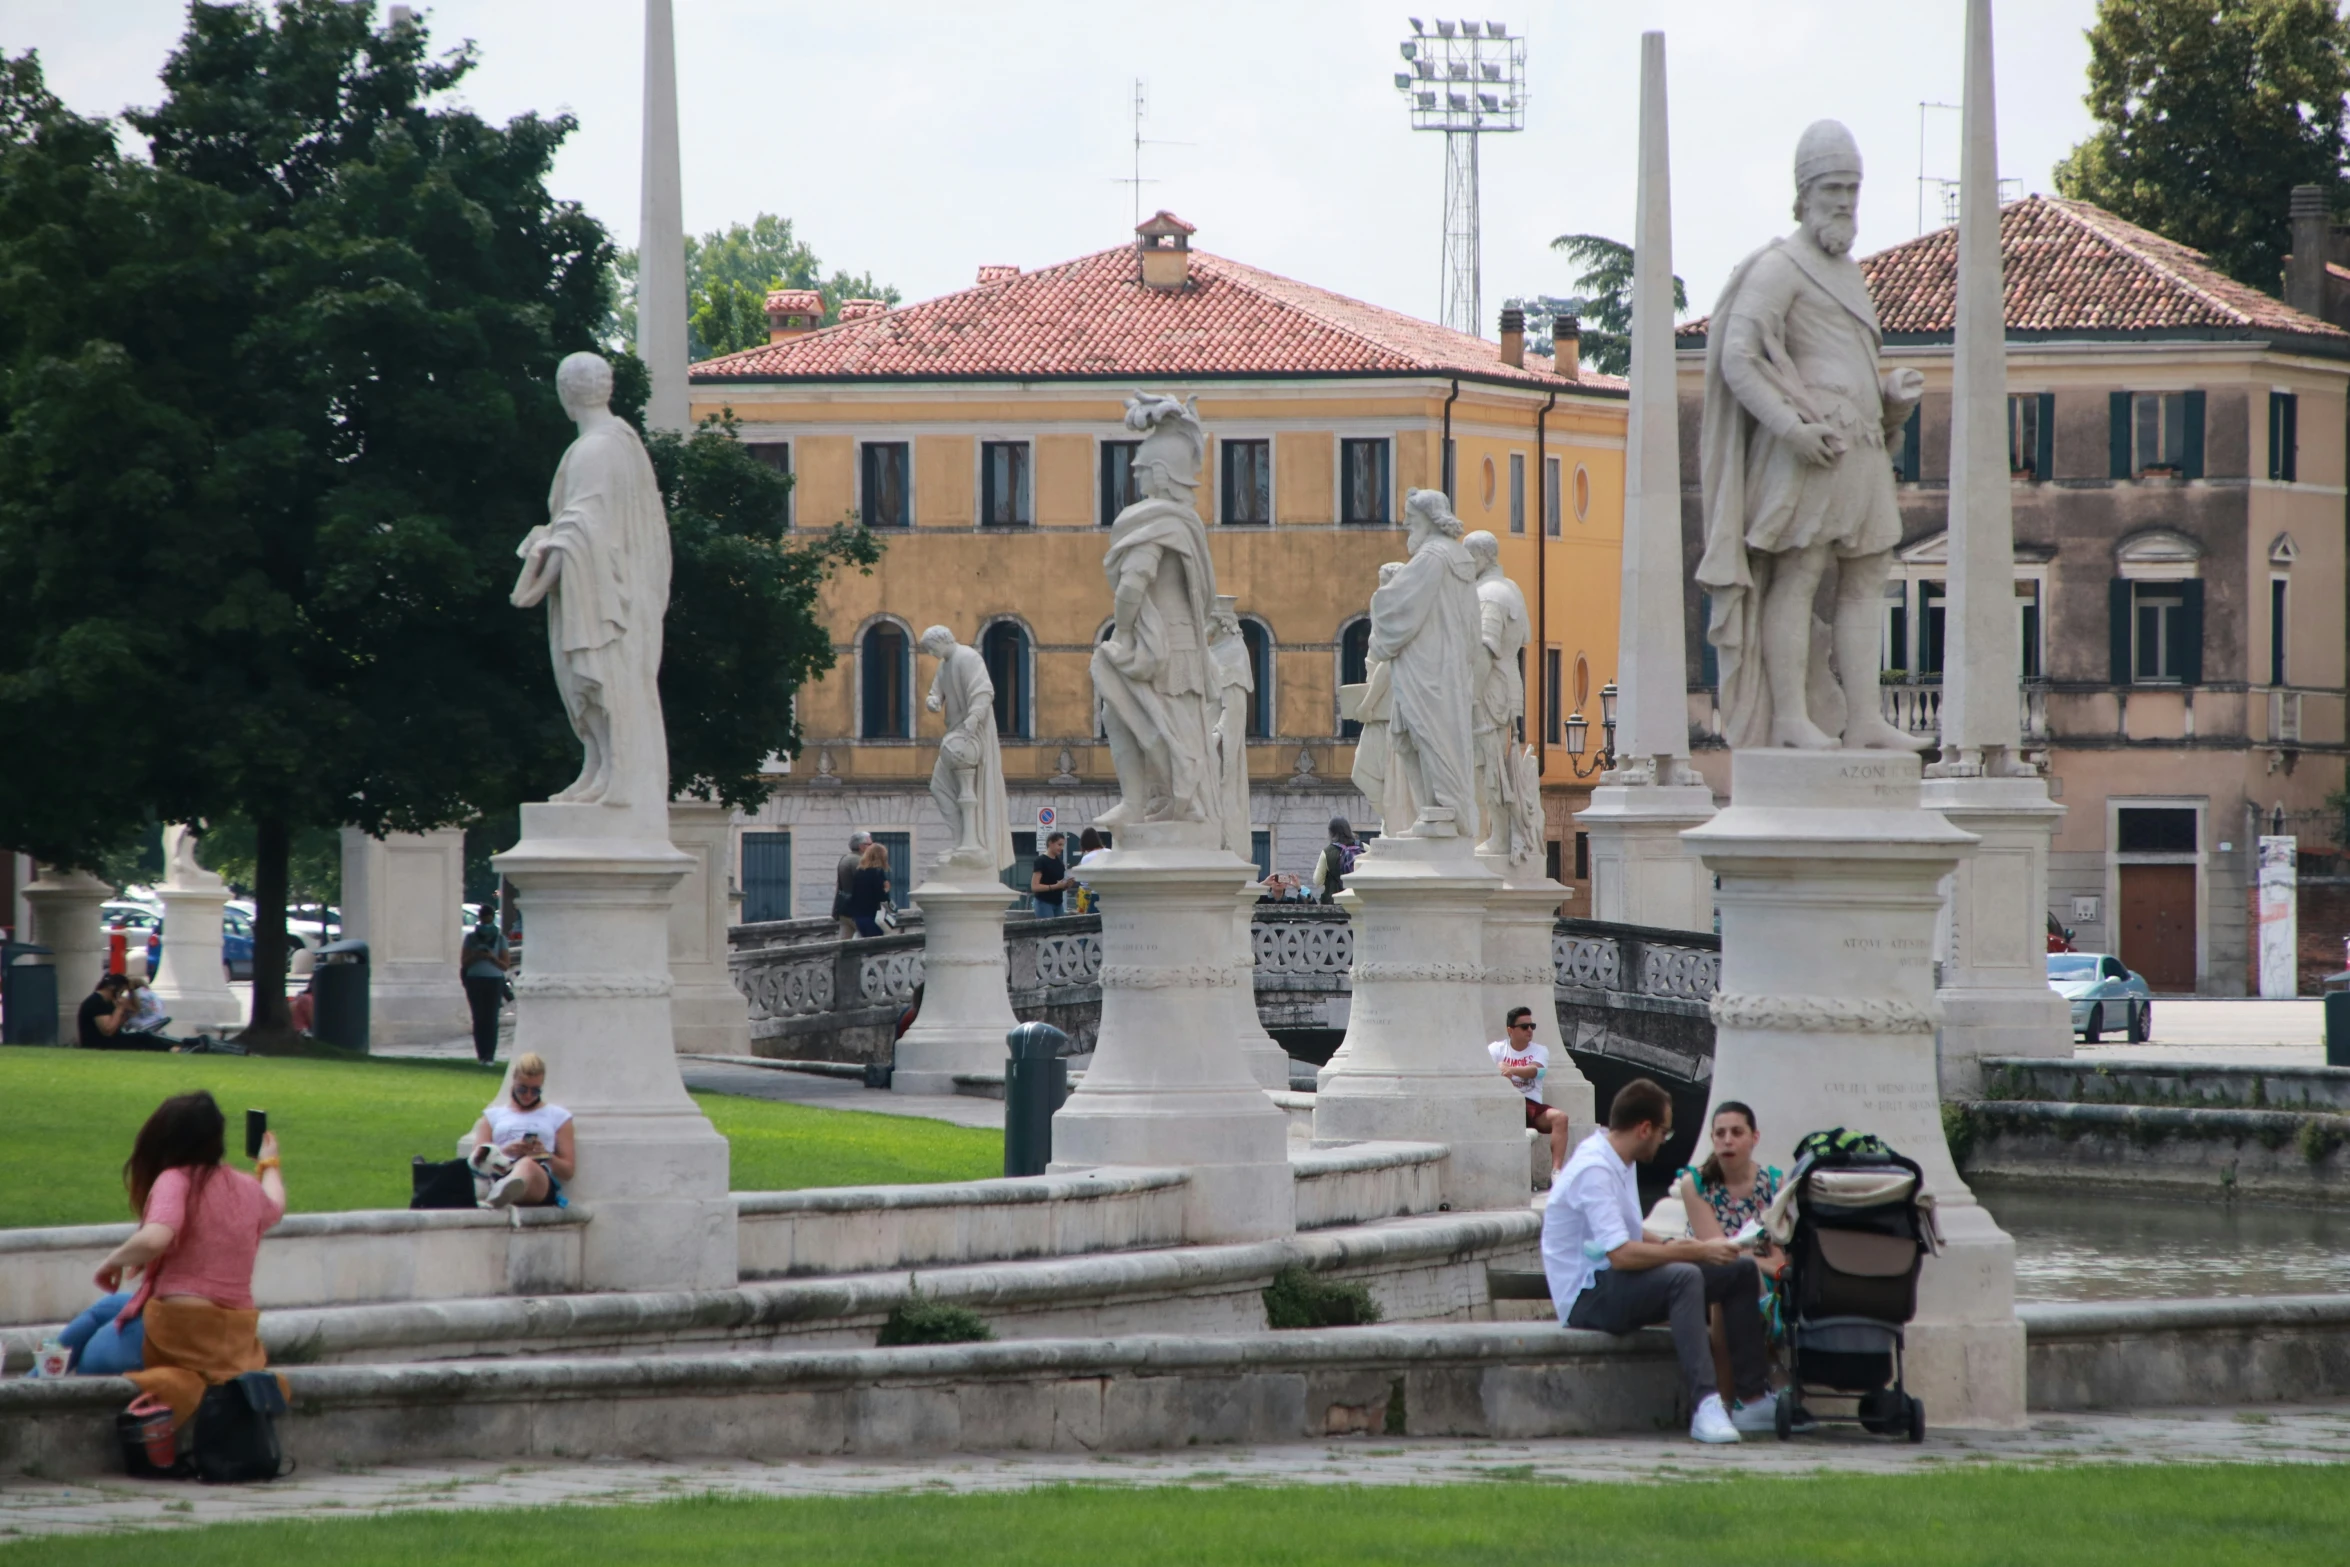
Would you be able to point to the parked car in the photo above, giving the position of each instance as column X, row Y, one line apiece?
column 236, row 934
column 2103, row 992
column 127, row 914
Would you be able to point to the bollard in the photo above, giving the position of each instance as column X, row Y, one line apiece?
column 2337, row 1005
column 1036, row 1081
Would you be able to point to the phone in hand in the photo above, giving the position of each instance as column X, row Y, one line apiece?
column 256, row 1128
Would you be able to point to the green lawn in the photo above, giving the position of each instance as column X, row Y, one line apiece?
column 349, row 1128
column 2151, row 1516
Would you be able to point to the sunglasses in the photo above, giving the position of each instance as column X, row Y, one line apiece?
column 531, row 1089
column 1522, row 1025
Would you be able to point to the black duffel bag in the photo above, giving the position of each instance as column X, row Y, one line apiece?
column 235, row 1436
column 448, row 1184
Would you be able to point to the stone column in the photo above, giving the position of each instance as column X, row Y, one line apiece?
column 1169, row 1084
column 1995, row 995
column 1520, row 972
column 193, row 985
column 1640, row 873
column 1413, row 1066
column 1830, row 874
column 1268, row 1062
column 660, row 293
column 593, row 998
column 966, row 983
column 707, row 1015
column 404, row 895
column 65, row 905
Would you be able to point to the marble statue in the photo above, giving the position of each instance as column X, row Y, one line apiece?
column 968, row 782
column 179, row 858
column 1235, row 684
column 1424, row 623
column 1372, row 705
column 1797, row 485
column 1151, row 674
column 1503, row 627
column 601, row 561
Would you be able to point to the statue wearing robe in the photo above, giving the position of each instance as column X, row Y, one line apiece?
column 1235, row 684
column 1503, row 627
column 1424, row 623
column 969, row 756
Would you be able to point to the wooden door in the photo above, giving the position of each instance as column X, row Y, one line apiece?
column 2158, row 925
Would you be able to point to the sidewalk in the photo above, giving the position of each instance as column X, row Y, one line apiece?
column 2226, row 1033
column 2301, row 1434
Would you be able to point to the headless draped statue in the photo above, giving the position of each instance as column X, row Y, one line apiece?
column 1228, row 657
column 601, row 562
column 1798, row 488
column 968, row 782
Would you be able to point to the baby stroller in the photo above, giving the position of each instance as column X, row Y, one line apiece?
column 1857, row 1226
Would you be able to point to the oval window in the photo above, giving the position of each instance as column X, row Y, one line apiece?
column 1582, row 682
column 1582, row 492
column 1489, row 484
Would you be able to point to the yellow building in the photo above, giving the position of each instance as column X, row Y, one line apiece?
column 981, row 435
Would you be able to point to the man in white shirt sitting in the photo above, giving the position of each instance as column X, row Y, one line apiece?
column 1607, row 1273
column 1525, row 1061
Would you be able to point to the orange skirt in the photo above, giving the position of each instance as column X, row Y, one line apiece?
column 194, row 1344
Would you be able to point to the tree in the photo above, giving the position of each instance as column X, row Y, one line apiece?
column 275, row 407
column 727, row 275
column 1605, row 306
column 2208, row 113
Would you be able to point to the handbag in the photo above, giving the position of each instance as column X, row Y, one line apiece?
column 150, row 1447
column 236, row 1431
column 886, row 917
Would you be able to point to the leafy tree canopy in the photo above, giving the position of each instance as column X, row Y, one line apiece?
column 2208, row 113
column 1604, row 308
column 727, row 275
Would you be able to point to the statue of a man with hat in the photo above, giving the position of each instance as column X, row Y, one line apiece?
column 1798, row 486
column 1152, row 674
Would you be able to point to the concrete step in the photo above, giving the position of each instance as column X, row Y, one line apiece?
column 2155, row 1081
column 2269, row 1155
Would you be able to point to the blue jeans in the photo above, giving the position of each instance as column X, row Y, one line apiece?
column 1047, row 908
column 100, row 1347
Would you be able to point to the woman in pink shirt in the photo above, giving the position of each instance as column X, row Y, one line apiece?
column 200, row 1230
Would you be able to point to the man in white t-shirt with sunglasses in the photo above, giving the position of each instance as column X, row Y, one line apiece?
column 1525, row 1062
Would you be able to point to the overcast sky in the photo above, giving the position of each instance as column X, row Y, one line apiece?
column 922, row 140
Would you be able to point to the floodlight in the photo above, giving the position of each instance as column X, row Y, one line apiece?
column 1409, row 48
column 1403, row 79
column 1468, row 29
column 1445, row 29
column 1424, row 100
column 1426, row 69
column 1491, row 69
column 1458, row 100
column 1492, row 103
column 1496, row 30
column 1460, row 70
column 1416, row 27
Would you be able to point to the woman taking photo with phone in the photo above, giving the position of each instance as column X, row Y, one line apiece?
column 200, row 1229
column 536, row 1135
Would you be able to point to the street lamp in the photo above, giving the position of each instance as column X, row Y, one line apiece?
column 1579, row 735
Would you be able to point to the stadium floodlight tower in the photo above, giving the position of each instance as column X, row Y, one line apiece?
column 1467, row 79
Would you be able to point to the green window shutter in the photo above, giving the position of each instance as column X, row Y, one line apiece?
column 2120, row 444
column 2191, row 457
column 2044, row 459
column 2276, row 416
column 2191, row 631
column 2117, row 595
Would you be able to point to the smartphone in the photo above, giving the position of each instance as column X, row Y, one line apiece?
column 256, row 1127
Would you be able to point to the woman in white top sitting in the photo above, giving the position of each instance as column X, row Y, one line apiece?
column 536, row 1135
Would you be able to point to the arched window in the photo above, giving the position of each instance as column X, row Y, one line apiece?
column 885, row 668
column 1259, row 642
column 1354, row 664
column 1005, row 647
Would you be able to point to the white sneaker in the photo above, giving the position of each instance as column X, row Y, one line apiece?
column 1712, row 1423
column 508, row 1190
column 1760, row 1418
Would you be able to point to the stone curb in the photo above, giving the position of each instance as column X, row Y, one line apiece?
column 1007, row 1191
column 2167, row 1117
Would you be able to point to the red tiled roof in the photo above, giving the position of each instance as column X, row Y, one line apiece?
column 1092, row 319
column 2070, row 266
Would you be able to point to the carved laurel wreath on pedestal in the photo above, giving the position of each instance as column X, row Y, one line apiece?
column 1822, row 1014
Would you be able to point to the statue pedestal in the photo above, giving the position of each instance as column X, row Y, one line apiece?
column 966, row 985
column 1413, row 1066
column 1830, row 873
column 1169, row 1084
column 66, row 906
column 404, row 896
column 1268, row 1063
column 593, row 999
column 707, row 1015
column 1520, row 972
column 193, row 985
column 1995, row 995
column 1641, row 872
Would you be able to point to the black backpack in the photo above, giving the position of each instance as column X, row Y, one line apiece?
column 235, row 1435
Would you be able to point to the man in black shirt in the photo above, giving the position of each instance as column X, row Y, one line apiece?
column 844, row 876
column 1050, row 880
column 99, row 1023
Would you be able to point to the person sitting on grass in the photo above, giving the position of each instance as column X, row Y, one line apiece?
column 104, row 1018
column 1524, row 1061
column 200, row 1228
column 1608, row 1274
column 1724, row 1195
column 521, row 1127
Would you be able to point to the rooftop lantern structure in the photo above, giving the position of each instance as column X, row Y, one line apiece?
column 793, row 312
column 1164, row 243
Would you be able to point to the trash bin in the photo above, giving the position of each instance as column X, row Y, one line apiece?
column 28, row 994
column 339, row 995
column 1036, row 1081
column 2337, row 1005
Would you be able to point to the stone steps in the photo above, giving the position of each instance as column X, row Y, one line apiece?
column 2120, row 1080
column 2268, row 1155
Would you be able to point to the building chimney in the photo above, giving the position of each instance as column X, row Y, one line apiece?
column 792, row 312
column 859, row 309
column 989, row 273
column 2305, row 269
column 1566, row 347
column 1513, row 337
column 1164, row 241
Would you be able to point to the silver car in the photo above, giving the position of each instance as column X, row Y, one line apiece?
column 2104, row 994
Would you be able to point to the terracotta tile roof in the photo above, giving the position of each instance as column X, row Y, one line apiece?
column 2073, row 267
column 1092, row 319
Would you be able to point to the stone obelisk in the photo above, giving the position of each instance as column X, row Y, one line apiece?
column 660, row 246
column 1640, row 872
column 1994, row 996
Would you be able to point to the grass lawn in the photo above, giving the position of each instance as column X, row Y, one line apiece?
column 349, row 1129
column 2146, row 1516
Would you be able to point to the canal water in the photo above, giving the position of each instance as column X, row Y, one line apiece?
column 2089, row 1245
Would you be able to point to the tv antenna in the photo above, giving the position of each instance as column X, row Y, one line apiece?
column 1142, row 112
column 1467, row 80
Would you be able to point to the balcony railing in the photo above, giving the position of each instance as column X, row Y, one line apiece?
column 1915, row 707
